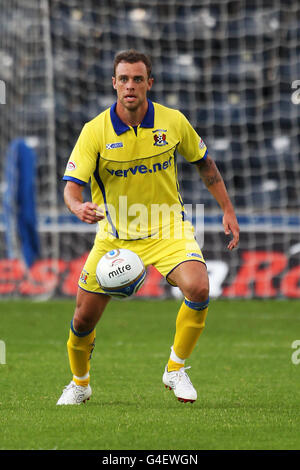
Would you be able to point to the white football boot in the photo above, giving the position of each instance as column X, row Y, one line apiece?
column 74, row 394
column 180, row 383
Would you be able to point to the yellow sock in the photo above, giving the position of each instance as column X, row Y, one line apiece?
column 80, row 347
column 190, row 323
column 173, row 365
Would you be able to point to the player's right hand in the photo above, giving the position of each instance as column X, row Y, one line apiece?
column 89, row 212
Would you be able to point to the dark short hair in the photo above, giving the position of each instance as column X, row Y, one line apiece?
column 132, row 56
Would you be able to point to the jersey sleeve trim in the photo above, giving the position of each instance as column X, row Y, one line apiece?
column 203, row 158
column 75, row 180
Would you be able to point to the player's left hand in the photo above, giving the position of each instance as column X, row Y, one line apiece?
column 231, row 225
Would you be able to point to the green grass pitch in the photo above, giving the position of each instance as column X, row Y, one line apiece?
column 248, row 386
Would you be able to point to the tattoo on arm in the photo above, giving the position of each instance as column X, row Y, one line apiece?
column 209, row 172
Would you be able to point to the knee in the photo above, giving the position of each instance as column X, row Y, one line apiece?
column 89, row 308
column 81, row 322
column 197, row 292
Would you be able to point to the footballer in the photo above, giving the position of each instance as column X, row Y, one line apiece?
column 128, row 154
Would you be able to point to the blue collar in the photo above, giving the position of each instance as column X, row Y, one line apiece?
column 120, row 127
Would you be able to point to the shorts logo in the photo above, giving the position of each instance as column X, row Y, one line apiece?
column 115, row 145
column 71, row 165
column 160, row 137
column 194, row 255
column 83, row 276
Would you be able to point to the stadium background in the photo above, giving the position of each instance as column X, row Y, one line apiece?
column 230, row 66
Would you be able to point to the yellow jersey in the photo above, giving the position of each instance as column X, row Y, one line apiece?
column 133, row 171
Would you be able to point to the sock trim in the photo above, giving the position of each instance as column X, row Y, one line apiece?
column 197, row 305
column 175, row 358
column 84, row 377
column 77, row 333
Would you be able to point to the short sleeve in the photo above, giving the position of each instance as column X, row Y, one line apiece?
column 82, row 161
column 191, row 145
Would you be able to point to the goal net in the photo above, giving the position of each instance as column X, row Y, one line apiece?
column 232, row 67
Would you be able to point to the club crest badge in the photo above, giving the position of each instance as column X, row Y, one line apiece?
column 84, row 276
column 160, row 137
